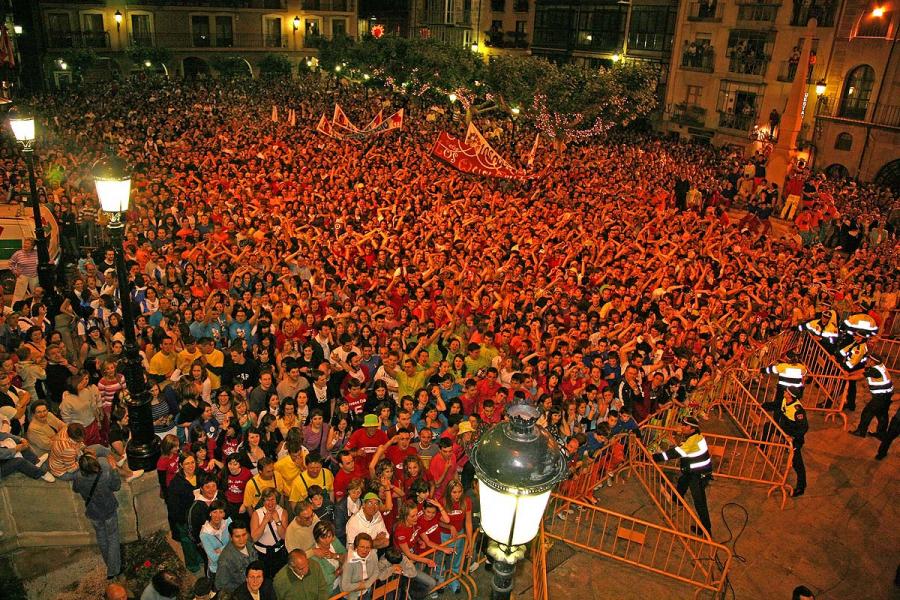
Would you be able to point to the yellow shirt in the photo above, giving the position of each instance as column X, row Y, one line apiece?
column 215, row 359
column 287, row 471
column 300, row 488
column 252, row 493
column 162, row 364
column 185, row 359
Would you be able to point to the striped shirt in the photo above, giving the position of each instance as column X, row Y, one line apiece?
column 24, row 263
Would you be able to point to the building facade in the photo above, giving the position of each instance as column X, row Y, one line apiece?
column 735, row 64
column 194, row 31
column 489, row 27
column 857, row 122
column 597, row 33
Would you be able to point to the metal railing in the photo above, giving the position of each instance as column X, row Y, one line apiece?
column 787, row 70
column 705, row 11
column 888, row 350
column 444, row 572
column 78, row 39
column 738, row 122
column 802, row 14
column 328, row 5
column 651, row 42
column 830, row 381
column 687, row 114
column 886, row 114
column 757, row 13
column 743, row 64
column 662, row 550
column 703, row 59
column 539, row 567
column 194, row 40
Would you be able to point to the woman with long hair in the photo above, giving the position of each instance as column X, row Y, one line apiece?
column 179, row 497
column 81, row 404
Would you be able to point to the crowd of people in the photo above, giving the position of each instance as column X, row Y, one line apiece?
column 328, row 326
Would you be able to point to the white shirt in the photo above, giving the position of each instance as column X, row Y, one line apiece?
column 359, row 524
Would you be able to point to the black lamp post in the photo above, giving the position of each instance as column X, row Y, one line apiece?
column 517, row 463
column 22, row 125
column 113, row 184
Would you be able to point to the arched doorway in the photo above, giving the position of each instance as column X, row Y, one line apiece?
column 195, row 68
column 889, row 176
column 837, row 171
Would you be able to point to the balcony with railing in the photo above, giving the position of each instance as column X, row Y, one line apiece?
column 698, row 58
column 787, row 70
column 505, row 39
column 328, row 5
column 748, row 64
column 887, row 114
column 689, row 114
column 823, row 12
column 705, row 11
column 750, row 13
column 737, row 122
column 639, row 41
column 78, row 39
column 198, row 40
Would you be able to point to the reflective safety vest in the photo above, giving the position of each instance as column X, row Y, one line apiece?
column 861, row 324
column 694, row 454
column 789, row 374
column 881, row 384
column 793, row 418
column 853, row 355
column 826, row 326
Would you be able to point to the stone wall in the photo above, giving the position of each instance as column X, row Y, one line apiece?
column 36, row 516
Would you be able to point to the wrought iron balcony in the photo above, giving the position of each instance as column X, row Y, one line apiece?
column 702, row 59
column 737, row 122
column 78, row 39
column 689, row 114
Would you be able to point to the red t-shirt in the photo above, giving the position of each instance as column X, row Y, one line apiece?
column 397, row 455
column 404, row 534
column 430, row 528
column 235, row 484
column 457, row 513
column 360, row 440
column 343, row 479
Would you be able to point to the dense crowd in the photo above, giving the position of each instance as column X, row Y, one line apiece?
column 328, row 326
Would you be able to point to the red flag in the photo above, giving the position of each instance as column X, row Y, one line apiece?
column 467, row 158
column 7, row 55
column 292, row 118
column 325, row 126
column 395, row 121
column 274, row 114
column 340, row 119
column 534, row 147
column 375, row 122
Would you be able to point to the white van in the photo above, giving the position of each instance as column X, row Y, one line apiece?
column 16, row 224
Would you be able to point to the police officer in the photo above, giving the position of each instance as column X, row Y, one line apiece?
column 696, row 467
column 882, row 389
column 790, row 376
column 824, row 327
column 852, row 349
column 889, row 436
column 791, row 417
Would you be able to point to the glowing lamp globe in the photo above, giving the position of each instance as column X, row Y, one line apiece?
column 517, row 464
column 820, row 87
column 22, row 125
column 113, row 184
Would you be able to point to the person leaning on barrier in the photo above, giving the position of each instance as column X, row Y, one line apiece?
column 791, row 417
column 696, row 468
column 824, row 327
column 852, row 350
column 882, row 389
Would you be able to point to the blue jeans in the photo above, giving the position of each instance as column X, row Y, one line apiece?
column 108, row 540
column 453, row 560
column 24, row 465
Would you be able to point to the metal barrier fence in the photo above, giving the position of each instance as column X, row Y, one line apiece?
column 742, row 459
column 446, row 571
column 888, row 350
column 670, row 551
column 829, row 379
column 539, row 567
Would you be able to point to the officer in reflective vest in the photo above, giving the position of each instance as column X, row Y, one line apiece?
column 852, row 349
column 825, row 327
column 790, row 375
column 882, row 389
column 696, row 467
column 791, row 417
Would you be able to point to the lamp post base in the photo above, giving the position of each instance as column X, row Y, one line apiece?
column 503, row 568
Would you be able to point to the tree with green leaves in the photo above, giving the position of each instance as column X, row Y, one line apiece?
column 274, row 66
column 140, row 55
column 232, row 67
column 80, row 61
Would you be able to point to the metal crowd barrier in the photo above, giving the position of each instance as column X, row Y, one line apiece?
column 888, row 350
column 829, row 379
column 396, row 587
column 673, row 551
column 539, row 567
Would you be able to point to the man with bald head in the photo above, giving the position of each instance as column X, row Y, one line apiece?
column 114, row 591
column 301, row 579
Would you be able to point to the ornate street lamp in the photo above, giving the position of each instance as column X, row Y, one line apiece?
column 118, row 18
column 517, row 463
column 22, row 125
column 113, row 184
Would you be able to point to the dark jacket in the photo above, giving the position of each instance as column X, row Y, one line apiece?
column 179, row 497
column 231, row 572
column 103, row 504
column 266, row 592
